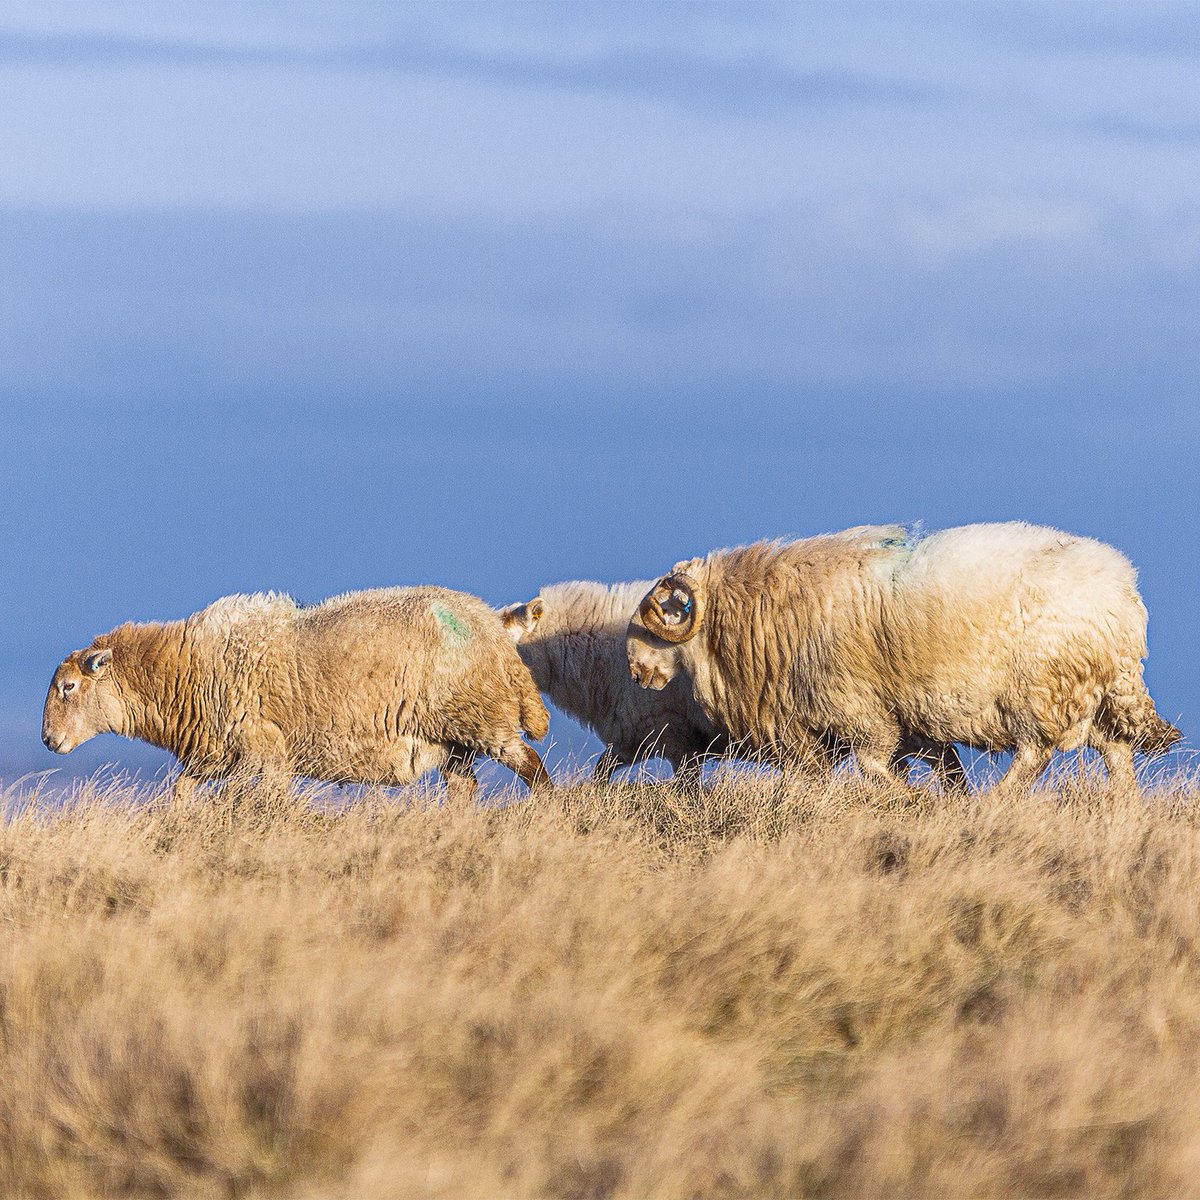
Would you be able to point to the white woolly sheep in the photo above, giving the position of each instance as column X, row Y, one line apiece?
column 571, row 636
column 1001, row 637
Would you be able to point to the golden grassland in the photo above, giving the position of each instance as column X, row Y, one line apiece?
column 773, row 989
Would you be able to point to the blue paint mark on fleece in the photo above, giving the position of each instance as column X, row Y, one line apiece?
column 914, row 532
column 449, row 621
column 900, row 546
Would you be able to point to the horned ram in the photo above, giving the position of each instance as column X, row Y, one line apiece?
column 1001, row 637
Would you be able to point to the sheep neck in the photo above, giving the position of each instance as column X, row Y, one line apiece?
column 162, row 700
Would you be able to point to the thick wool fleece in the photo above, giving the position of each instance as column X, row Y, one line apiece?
column 375, row 686
column 1005, row 636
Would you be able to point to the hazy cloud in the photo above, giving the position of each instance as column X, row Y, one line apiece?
column 731, row 84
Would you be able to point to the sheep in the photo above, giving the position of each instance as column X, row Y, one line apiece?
column 1002, row 637
column 571, row 636
column 369, row 687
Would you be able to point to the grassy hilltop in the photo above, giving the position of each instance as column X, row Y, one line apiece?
column 768, row 991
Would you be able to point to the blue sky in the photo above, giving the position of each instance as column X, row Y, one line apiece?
column 320, row 296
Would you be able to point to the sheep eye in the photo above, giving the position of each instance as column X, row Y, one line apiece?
column 69, row 687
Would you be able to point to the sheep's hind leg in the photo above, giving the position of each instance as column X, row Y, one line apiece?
column 183, row 790
column 1118, row 762
column 524, row 760
column 1024, row 771
column 459, row 774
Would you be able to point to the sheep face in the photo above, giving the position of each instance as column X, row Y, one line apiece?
column 668, row 617
column 82, row 701
column 652, row 663
column 521, row 620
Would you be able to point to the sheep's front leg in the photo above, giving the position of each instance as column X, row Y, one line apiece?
column 606, row 766
column 876, row 765
column 877, row 758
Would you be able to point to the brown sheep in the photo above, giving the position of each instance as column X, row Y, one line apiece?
column 370, row 687
column 572, row 638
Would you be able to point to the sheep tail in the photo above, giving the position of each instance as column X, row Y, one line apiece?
column 1127, row 713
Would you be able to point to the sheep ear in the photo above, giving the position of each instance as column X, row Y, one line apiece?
column 96, row 663
column 519, row 619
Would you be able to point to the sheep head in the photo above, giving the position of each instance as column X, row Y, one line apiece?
column 82, row 700
column 521, row 619
column 668, row 616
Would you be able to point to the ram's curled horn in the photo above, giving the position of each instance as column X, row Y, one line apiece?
column 671, row 609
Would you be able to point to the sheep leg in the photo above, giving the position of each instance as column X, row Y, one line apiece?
column 524, row 760
column 1026, row 767
column 812, row 756
column 459, row 773
column 1118, row 761
column 183, row 791
column 687, row 768
column 606, row 766
column 900, row 762
column 875, row 764
column 947, row 765
column 941, row 756
column 949, row 768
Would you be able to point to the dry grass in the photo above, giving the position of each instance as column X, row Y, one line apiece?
column 767, row 991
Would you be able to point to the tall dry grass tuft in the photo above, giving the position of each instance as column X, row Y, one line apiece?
column 766, row 990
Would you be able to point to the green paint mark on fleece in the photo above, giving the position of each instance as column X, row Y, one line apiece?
column 449, row 621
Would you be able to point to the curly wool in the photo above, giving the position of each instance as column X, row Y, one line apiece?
column 1003, row 636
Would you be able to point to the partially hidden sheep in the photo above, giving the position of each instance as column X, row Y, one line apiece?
column 571, row 636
